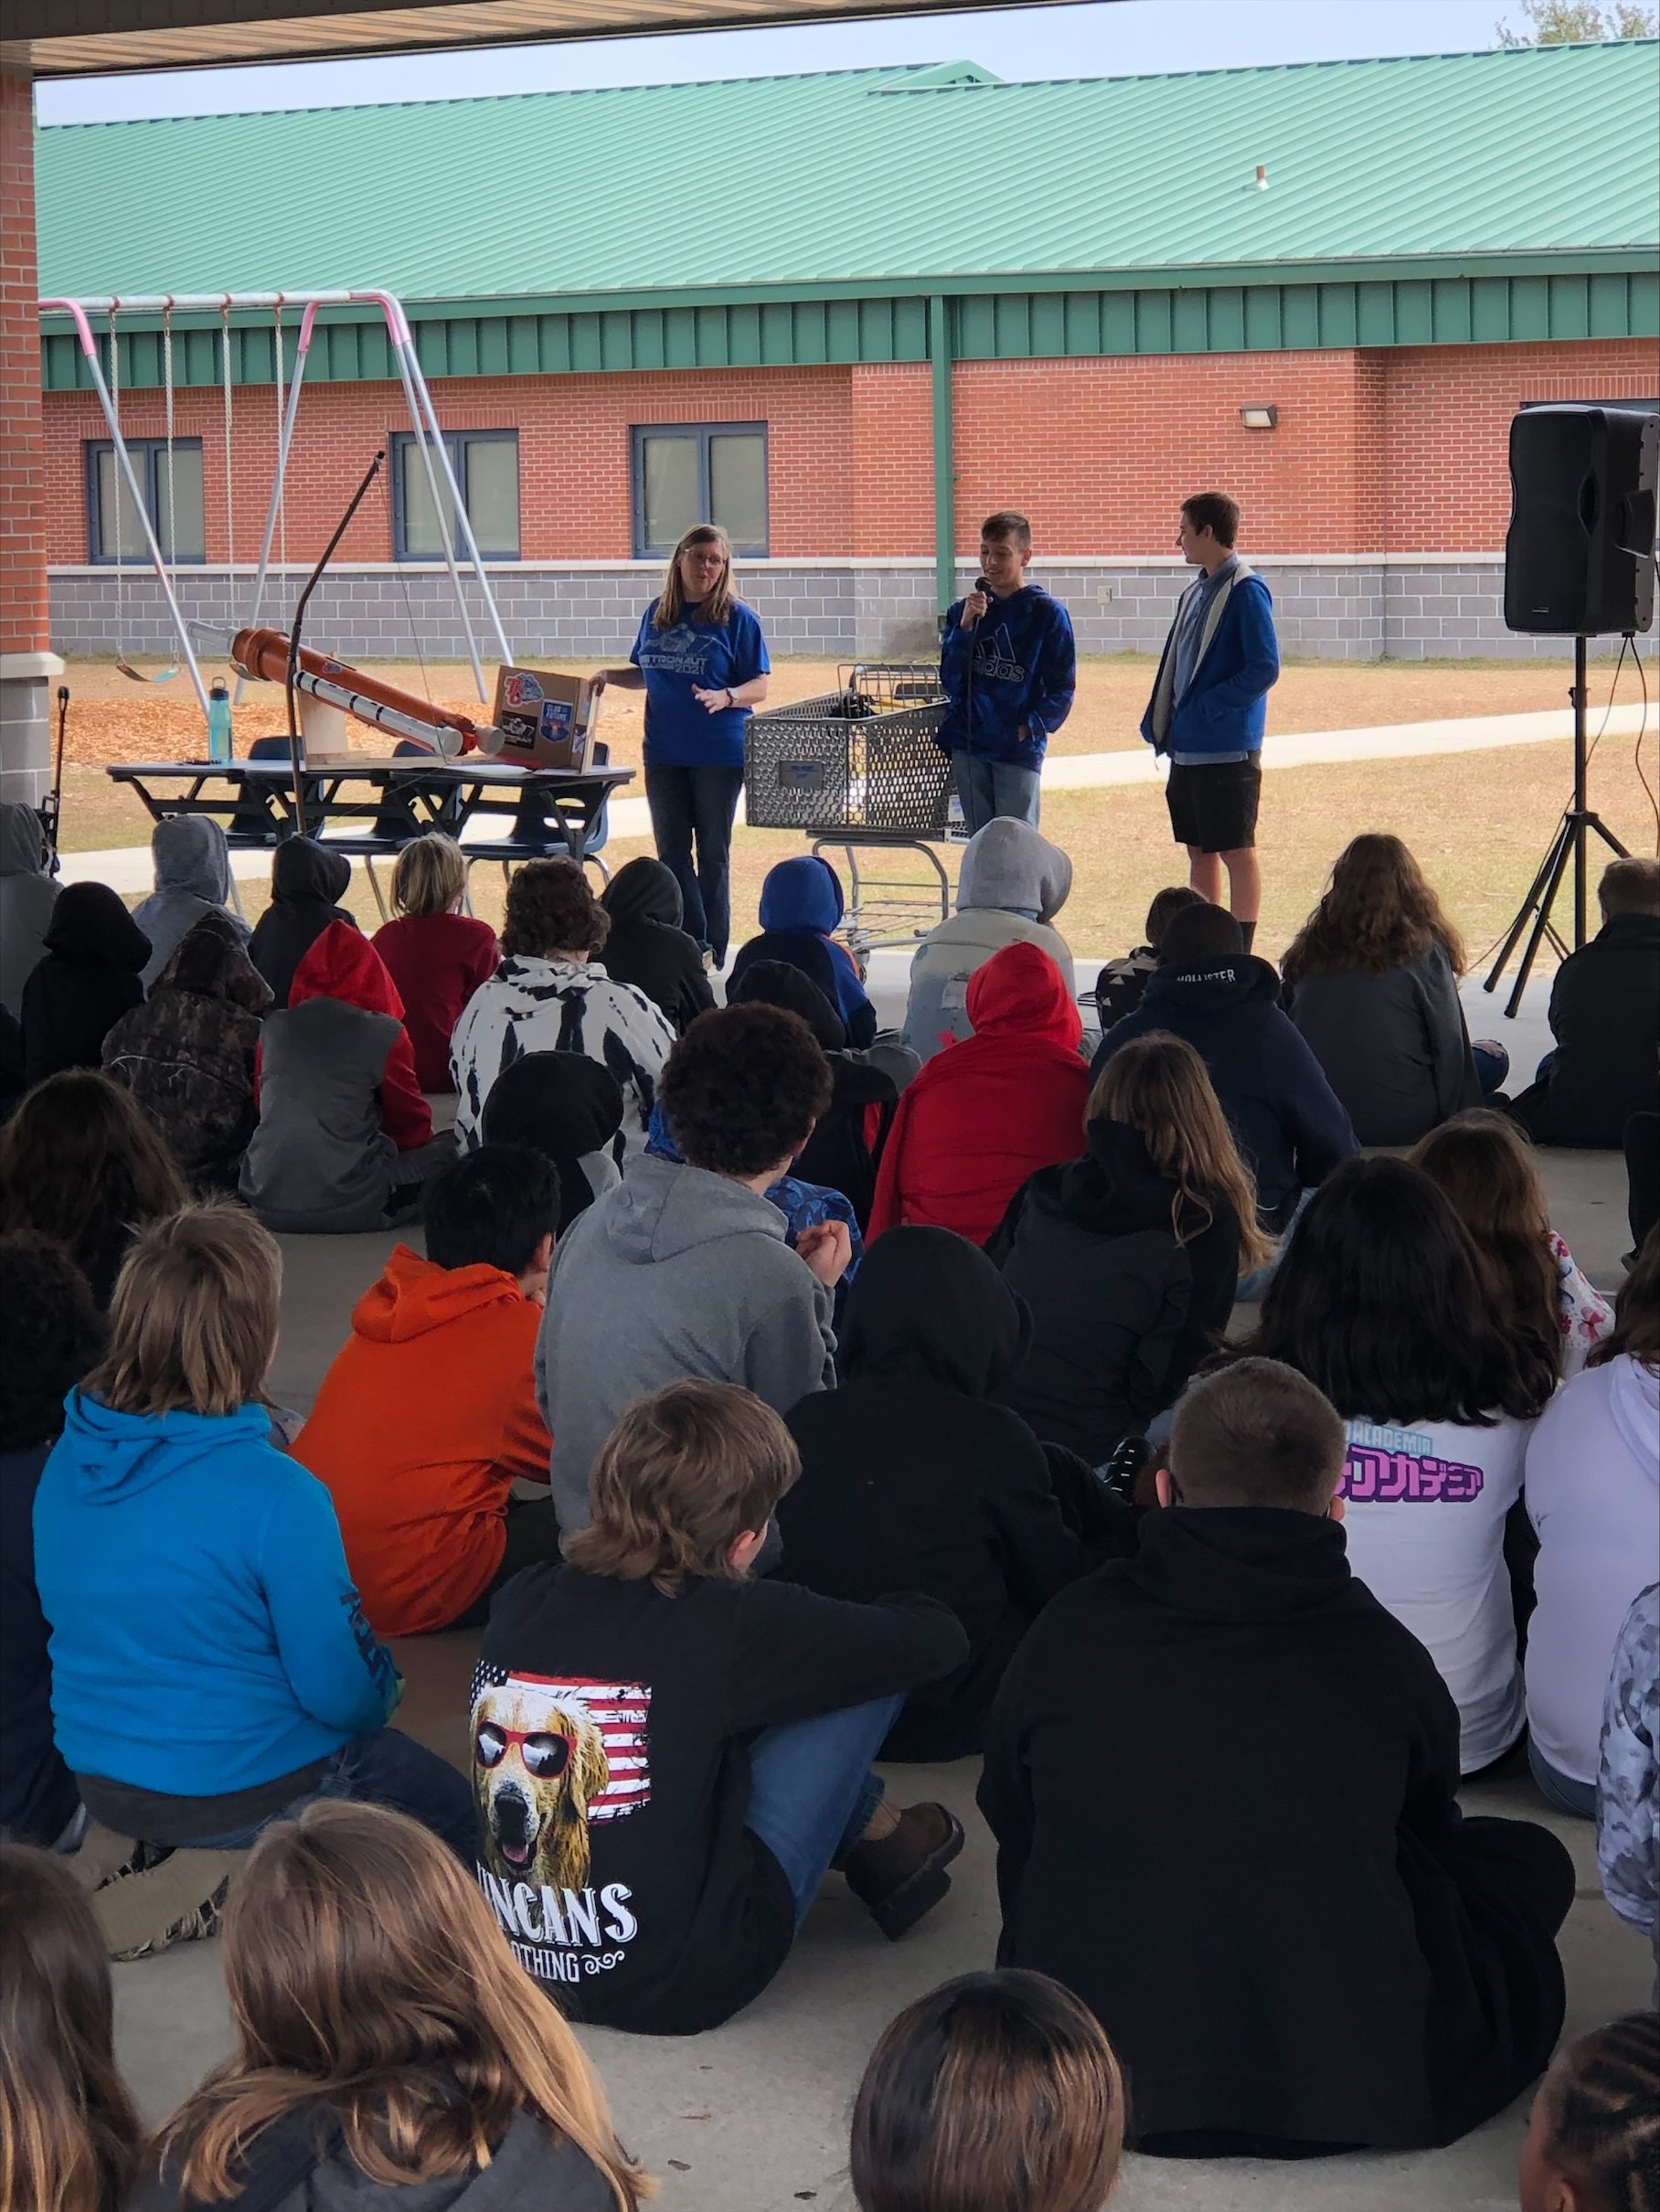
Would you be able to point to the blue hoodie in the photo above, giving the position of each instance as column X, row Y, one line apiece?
column 1016, row 668
column 803, row 899
column 205, row 1634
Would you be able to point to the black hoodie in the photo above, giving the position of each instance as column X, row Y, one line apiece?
column 83, row 983
column 1222, row 1779
column 648, row 948
column 306, row 879
column 1122, row 1313
column 1605, row 1018
column 911, row 1479
column 1285, row 1116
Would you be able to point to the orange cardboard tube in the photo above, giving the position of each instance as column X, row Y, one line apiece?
column 263, row 654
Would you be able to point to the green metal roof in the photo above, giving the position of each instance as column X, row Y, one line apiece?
column 890, row 183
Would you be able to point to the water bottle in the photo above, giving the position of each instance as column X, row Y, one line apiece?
column 219, row 722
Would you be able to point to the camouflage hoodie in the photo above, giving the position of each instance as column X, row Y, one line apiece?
column 187, row 1053
column 1628, row 1785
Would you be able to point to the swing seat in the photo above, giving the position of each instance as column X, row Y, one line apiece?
column 162, row 675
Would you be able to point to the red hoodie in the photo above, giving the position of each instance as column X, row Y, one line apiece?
column 343, row 964
column 991, row 1109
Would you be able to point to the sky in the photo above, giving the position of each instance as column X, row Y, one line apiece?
column 1123, row 37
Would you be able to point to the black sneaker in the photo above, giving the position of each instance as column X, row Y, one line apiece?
column 902, row 1876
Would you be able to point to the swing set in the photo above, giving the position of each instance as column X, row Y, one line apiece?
column 428, row 438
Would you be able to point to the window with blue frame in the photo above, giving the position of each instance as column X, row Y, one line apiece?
column 688, row 472
column 487, row 474
column 172, row 490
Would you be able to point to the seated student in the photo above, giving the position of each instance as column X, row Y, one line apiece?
column 427, row 1416
column 388, row 2049
column 1293, row 1882
column 1371, row 981
column 1485, row 1168
column 1593, row 2138
column 912, row 1479
column 12, row 1081
column 344, row 1134
column 87, row 978
column 1641, row 1146
column 846, row 1147
column 1291, row 1129
column 196, row 1573
column 569, row 1110
column 1012, row 884
column 1628, row 1774
column 1119, row 985
column 983, row 1115
column 1594, row 1497
column 188, row 1053
column 437, row 955
column 192, row 865
column 801, row 907
column 80, row 1164
column 307, row 881
column 685, row 1270
column 711, row 1735
column 648, row 948
column 1605, row 1018
column 53, row 1335
column 1126, row 1259
column 550, row 993
column 70, row 2132
column 996, row 2090
column 1380, row 1300
column 27, row 896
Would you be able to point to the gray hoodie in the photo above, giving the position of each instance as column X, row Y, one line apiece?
column 675, row 1273
column 1010, row 872
column 27, row 895
column 192, row 878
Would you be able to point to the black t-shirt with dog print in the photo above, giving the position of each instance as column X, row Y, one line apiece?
column 610, row 1727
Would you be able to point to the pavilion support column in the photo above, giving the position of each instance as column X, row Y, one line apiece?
column 26, row 664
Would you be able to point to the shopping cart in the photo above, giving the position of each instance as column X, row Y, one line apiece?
column 858, row 771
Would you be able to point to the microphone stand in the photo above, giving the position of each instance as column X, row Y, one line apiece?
column 311, row 581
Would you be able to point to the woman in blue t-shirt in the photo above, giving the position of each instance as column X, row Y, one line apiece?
column 701, row 661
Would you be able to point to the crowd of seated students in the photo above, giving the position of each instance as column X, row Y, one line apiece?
column 770, row 1406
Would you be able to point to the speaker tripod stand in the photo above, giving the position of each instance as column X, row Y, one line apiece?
column 1568, row 844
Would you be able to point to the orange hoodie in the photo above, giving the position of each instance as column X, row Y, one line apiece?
column 426, row 1417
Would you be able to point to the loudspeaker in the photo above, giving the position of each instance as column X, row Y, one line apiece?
column 1580, row 550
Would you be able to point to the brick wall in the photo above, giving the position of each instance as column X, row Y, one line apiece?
column 23, row 549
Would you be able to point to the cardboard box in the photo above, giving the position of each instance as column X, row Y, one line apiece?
column 546, row 719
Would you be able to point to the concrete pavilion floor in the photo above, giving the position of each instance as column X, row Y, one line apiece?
column 754, row 2117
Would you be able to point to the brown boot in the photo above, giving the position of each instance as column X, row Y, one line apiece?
column 902, row 1876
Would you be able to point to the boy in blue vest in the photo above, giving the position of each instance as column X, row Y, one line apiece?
column 1208, row 707
column 1008, row 666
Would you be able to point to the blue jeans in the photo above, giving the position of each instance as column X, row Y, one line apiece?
column 989, row 788
column 697, row 805
column 387, row 1768
column 1579, row 1798
column 1492, row 1066
column 812, row 1792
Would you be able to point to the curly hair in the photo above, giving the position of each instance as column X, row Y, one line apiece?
column 54, row 1336
column 551, row 910
column 1376, row 913
column 742, row 1088
column 80, row 1164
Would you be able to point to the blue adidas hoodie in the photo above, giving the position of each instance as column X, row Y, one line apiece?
column 206, row 1634
column 1016, row 668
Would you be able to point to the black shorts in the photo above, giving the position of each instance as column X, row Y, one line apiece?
column 1214, row 807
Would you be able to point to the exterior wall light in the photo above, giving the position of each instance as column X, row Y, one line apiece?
column 1258, row 417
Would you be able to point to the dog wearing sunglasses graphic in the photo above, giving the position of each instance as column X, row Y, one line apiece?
column 537, row 1765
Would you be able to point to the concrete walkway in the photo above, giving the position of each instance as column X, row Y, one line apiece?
column 126, row 869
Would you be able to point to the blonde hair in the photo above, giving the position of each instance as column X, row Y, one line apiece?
column 194, row 1318
column 430, row 877
column 365, row 1968
column 671, row 600
column 1157, row 1085
column 685, row 1471
column 1377, row 912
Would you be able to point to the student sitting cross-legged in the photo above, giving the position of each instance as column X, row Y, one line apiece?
column 428, row 1415
column 1247, row 1907
column 211, row 1668
column 669, row 1755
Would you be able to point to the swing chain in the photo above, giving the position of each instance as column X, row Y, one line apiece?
column 229, row 504
column 167, row 410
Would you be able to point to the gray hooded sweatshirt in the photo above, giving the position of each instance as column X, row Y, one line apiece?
column 675, row 1273
column 192, row 878
column 27, row 895
column 1008, row 872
